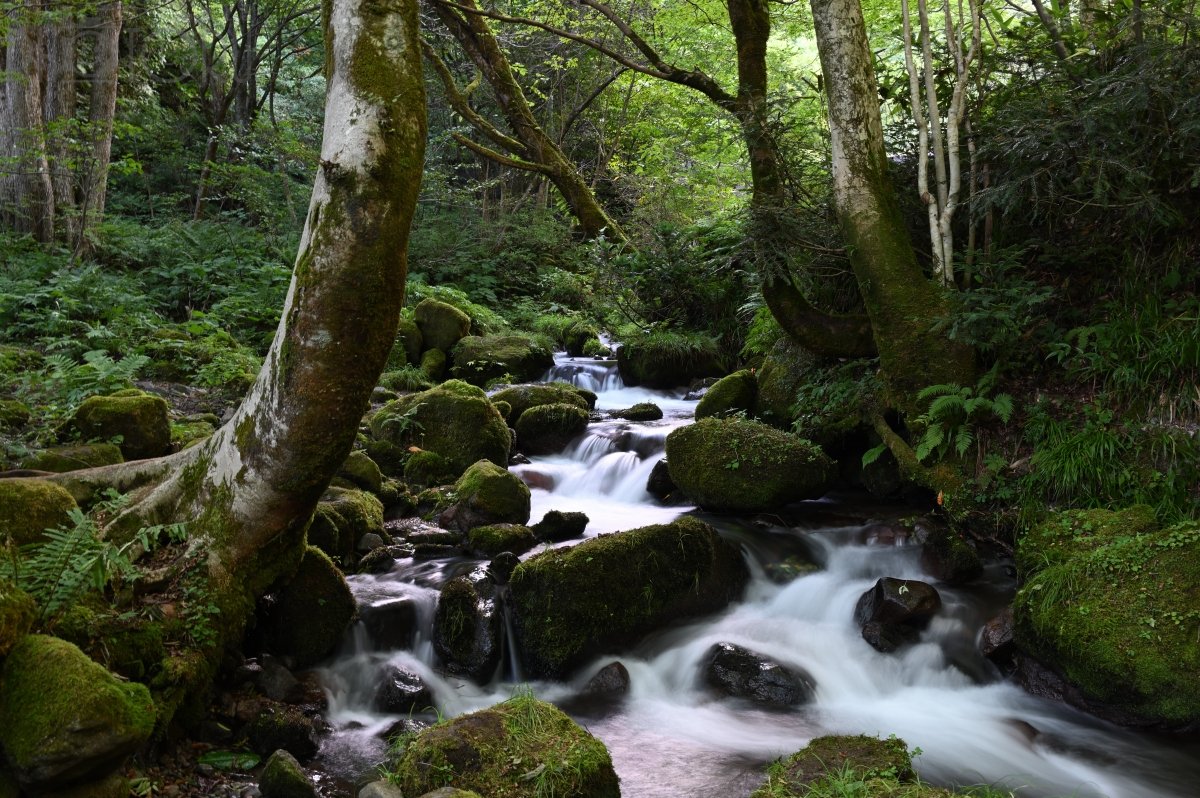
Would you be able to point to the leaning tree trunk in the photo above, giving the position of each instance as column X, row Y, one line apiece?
column 902, row 303
column 248, row 492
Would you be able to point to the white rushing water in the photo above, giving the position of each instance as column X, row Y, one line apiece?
column 673, row 737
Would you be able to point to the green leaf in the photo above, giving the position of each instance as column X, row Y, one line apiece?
column 230, row 760
column 871, row 455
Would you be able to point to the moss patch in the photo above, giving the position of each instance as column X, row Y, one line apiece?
column 141, row 422
column 360, row 469
column 492, row 539
column 28, row 507
column 522, row 748
column 605, row 593
column 13, row 413
column 61, row 459
column 516, row 358
column 489, row 494
column 730, row 395
column 867, row 757
column 731, row 465
column 547, row 429
column 342, row 518
column 1113, row 603
column 17, row 611
column 522, row 397
column 441, row 325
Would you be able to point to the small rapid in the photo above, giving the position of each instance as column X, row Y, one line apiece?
column 671, row 736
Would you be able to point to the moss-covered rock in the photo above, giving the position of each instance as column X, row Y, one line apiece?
column 282, row 777
column 405, row 380
column 427, row 469
column 516, row 358
column 946, row 554
column 468, row 626
column 341, row 519
column 522, row 748
column 409, row 344
column 441, row 325
column 310, row 612
column 490, row 540
column 455, row 420
column 17, row 611
column 868, row 758
column 364, row 472
column 487, row 494
column 732, row 465
column 580, row 338
column 732, row 394
column 668, row 361
column 547, row 429
column 61, row 459
column 605, row 593
column 141, row 422
column 522, row 397
column 66, row 718
column 190, row 432
column 557, row 526
column 642, row 411
column 433, row 364
column 786, row 367
column 13, row 413
column 129, row 644
column 1112, row 602
column 28, row 507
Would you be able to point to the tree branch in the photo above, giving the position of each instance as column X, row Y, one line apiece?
column 460, row 104
column 503, row 160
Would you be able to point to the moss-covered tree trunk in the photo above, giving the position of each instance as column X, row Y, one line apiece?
column 903, row 305
column 248, row 492
column 530, row 147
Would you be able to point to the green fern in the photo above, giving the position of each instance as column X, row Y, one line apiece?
column 67, row 383
column 954, row 414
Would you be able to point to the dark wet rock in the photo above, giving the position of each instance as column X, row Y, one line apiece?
column 436, row 551
column 698, row 387
column 734, row 465
column 468, row 627
column 477, row 752
column 404, row 726
column 370, row 542
column 730, row 395
column 789, row 569
column 612, row 679
column 279, row 726
column 557, row 526
column 401, row 691
column 310, row 613
column 887, row 637
column 390, row 625
column 741, row 673
column 605, row 593
column 947, row 555
column 881, row 534
column 660, row 485
column 282, row 777
column 276, row 682
column 502, row 566
column 892, row 600
column 487, row 494
column 642, row 411
column 996, row 638
column 882, row 478
column 380, row 561
column 548, row 429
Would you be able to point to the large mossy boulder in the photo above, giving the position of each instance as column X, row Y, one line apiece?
column 341, row 519
column 141, row 421
column 786, row 368
column 311, row 611
column 520, row 398
column 730, row 465
column 1111, row 602
column 605, row 593
column 548, row 429
column 282, row 777
column 668, row 361
column 877, row 766
column 61, row 459
column 28, row 507
column 730, row 395
column 479, row 359
column 66, row 718
column 441, row 325
column 361, row 471
column 13, row 414
column 522, row 748
column 455, row 420
column 17, row 611
column 487, row 494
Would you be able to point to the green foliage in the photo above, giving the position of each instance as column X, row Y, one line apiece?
column 484, row 320
column 954, row 414
column 74, row 559
column 834, row 399
column 66, row 383
column 1002, row 314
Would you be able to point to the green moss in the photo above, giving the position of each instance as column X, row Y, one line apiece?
column 730, row 395
column 17, row 611
column 455, row 420
column 492, row 539
column 481, row 359
column 1113, row 604
column 282, row 777
column 141, row 422
column 642, row 411
column 13, row 413
column 342, row 518
column 406, row 380
column 803, row 772
column 732, row 465
column 62, row 459
column 360, row 469
column 311, row 612
column 547, row 429
column 441, row 325
column 128, row 644
column 607, row 592
column 189, row 433
column 786, row 368
column 427, row 469
column 522, row 397
column 489, row 494
column 28, row 507
column 503, row 407
column 409, row 344
column 522, row 748
column 668, row 360
column 433, row 364
column 49, row 688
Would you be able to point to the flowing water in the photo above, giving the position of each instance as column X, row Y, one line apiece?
column 672, row 737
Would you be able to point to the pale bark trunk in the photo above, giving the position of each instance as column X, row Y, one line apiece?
column 902, row 304
column 28, row 194
column 60, row 104
column 102, row 110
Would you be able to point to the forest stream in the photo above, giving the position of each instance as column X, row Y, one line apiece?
column 671, row 736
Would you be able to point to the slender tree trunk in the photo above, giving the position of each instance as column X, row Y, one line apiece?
column 902, row 304
column 27, row 195
column 248, row 492
column 103, row 108
column 59, row 104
